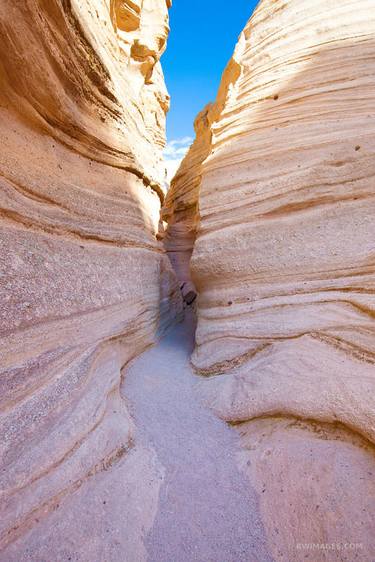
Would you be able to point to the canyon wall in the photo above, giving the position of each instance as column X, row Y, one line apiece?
column 278, row 192
column 85, row 284
column 180, row 209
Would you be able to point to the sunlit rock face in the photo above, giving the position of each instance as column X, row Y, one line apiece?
column 181, row 206
column 85, row 285
column 282, row 206
column 180, row 209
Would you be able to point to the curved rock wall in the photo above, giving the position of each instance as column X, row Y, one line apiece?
column 283, row 256
column 284, row 261
column 180, row 211
column 85, row 285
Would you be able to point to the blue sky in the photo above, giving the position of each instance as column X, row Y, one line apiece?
column 202, row 39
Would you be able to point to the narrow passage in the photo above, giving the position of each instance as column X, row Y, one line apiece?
column 207, row 510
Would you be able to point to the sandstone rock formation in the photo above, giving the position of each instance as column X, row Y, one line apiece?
column 180, row 210
column 278, row 191
column 85, row 285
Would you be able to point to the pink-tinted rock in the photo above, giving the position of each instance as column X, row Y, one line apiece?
column 280, row 203
column 85, row 285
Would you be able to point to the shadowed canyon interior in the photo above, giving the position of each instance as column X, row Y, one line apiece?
column 270, row 218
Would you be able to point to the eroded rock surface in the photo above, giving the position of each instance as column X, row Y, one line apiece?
column 181, row 206
column 279, row 195
column 85, row 285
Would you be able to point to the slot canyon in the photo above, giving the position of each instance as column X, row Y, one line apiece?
column 187, row 371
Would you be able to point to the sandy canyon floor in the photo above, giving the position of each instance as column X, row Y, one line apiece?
column 206, row 509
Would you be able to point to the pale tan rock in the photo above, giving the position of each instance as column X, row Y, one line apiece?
column 85, row 285
column 180, row 209
column 181, row 206
column 315, row 485
column 283, row 258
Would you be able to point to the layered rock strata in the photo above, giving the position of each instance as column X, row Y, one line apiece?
column 85, row 284
column 180, row 211
column 281, row 203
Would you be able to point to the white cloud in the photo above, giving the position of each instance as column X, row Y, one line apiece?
column 184, row 141
column 174, row 152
